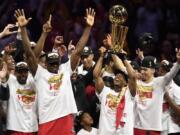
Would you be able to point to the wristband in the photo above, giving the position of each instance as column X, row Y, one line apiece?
column 122, row 56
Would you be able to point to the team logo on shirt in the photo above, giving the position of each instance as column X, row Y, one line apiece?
column 144, row 92
column 111, row 101
column 26, row 97
column 55, row 82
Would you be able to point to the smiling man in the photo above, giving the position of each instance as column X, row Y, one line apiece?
column 149, row 97
column 22, row 107
column 116, row 116
column 55, row 96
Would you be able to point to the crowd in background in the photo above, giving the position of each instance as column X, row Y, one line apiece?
column 161, row 18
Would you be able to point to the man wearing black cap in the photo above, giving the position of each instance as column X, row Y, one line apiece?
column 116, row 116
column 55, row 99
column 85, row 72
column 22, row 107
column 86, row 60
column 149, row 97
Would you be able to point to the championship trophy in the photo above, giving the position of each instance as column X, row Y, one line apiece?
column 117, row 16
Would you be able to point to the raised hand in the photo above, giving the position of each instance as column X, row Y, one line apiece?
column 122, row 55
column 7, row 30
column 108, row 41
column 21, row 18
column 62, row 50
column 90, row 15
column 47, row 26
column 178, row 55
column 140, row 54
column 102, row 50
column 58, row 41
column 71, row 47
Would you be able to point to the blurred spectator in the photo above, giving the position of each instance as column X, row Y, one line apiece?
column 148, row 19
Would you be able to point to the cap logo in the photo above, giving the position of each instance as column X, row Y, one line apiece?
column 155, row 61
column 150, row 64
column 86, row 49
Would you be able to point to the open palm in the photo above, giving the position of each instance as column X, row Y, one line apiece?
column 20, row 16
column 90, row 15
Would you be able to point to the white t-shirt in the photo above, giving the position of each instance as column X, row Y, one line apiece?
column 107, row 122
column 81, row 71
column 149, row 100
column 148, row 105
column 84, row 132
column 168, row 125
column 22, row 106
column 55, row 95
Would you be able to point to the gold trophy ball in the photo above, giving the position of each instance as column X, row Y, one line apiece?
column 118, row 14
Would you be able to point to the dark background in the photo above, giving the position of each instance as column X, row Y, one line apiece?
column 159, row 17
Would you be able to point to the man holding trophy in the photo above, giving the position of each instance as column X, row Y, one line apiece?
column 144, row 95
column 116, row 117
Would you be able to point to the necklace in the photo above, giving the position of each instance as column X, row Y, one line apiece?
column 120, row 95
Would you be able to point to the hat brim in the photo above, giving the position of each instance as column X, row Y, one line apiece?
column 53, row 61
column 85, row 54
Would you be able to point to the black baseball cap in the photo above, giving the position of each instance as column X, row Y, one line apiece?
column 86, row 51
column 52, row 57
column 21, row 66
column 149, row 62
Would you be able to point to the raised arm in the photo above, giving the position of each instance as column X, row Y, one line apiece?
column 75, row 56
column 40, row 44
column 174, row 70
column 118, row 63
column 132, row 84
column 7, row 30
column 131, row 73
column 30, row 57
column 99, row 84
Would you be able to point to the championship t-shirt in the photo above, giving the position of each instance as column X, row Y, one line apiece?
column 148, row 105
column 22, row 105
column 55, row 95
column 149, row 100
column 107, row 122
